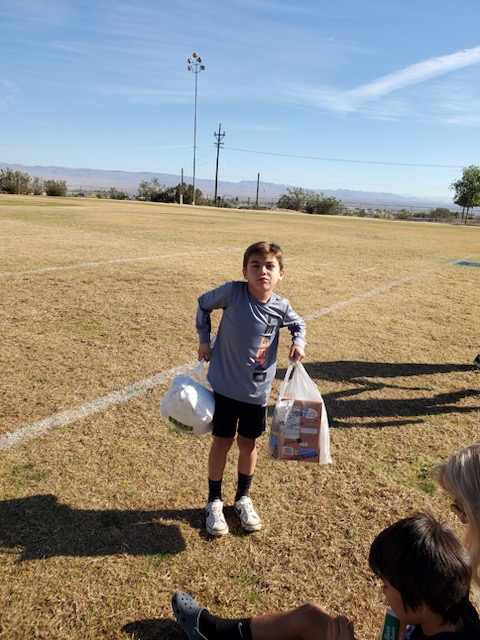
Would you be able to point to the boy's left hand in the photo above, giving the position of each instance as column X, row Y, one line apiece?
column 296, row 352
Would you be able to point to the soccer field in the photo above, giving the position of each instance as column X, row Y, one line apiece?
column 101, row 500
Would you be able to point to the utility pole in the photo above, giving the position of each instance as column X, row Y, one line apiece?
column 219, row 136
column 258, row 186
column 195, row 65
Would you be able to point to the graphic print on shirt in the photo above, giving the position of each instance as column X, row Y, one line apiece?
column 260, row 372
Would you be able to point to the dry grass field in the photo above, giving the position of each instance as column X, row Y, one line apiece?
column 101, row 516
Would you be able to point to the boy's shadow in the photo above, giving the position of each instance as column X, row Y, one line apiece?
column 39, row 527
column 396, row 411
column 354, row 370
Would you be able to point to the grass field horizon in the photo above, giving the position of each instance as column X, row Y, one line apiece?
column 101, row 516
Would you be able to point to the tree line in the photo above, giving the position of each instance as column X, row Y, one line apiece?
column 22, row 183
column 467, row 193
column 16, row 182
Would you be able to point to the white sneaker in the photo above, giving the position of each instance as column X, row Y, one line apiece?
column 215, row 520
column 247, row 514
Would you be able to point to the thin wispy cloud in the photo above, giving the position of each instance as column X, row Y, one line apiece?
column 368, row 95
column 415, row 73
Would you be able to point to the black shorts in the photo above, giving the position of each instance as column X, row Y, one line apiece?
column 251, row 418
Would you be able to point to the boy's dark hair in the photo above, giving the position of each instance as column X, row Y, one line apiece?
column 426, row 562
column 264, row 248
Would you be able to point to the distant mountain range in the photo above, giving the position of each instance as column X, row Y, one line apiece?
column 129, row 181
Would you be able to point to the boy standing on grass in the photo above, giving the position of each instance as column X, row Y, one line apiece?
column 242, row 368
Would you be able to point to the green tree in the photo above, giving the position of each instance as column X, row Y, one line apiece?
column 37, row 186
column 14, row 182
column 186, row 190
column 155, row 192
column 442, row 213
column 295, row 199
column 188, row 194
column 319, row 204
column 467, row 190
column 149, row 190
column 143, row 190
column 165, row 194
column 55, row 187
column 117, row 194
column 298, row 199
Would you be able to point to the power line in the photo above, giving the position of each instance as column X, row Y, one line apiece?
column 394, row 164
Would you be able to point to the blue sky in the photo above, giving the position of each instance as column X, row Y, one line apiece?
column 372, row 95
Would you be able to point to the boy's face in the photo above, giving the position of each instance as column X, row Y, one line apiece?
column 262, row 274
column 395, row 602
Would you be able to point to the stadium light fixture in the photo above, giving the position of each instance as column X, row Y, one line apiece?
column 195, row 65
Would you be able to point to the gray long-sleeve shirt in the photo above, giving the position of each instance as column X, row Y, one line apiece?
column 243, row 360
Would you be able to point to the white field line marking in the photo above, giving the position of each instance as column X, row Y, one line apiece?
column 102, row 263
column 12, row 438
column 367, row 294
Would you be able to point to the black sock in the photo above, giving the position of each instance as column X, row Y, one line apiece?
column 215, row 628
column 243, row 486
column 214, row 490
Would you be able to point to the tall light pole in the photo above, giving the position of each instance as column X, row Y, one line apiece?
column 195, row 65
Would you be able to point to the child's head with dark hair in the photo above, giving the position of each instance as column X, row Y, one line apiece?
column 426, row 563
column 264, row 249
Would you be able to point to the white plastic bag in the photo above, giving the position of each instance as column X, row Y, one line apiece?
column 188, row 404
column 299, row 429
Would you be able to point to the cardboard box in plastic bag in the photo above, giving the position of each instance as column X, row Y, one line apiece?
column 296, row 429
column 299, row 429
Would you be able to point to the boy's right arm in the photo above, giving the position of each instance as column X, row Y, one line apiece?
column 203, row 322
column 216, row 299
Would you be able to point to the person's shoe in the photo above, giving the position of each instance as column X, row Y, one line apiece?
column 476, row 362
column 214, row 519
column 187, row 613
column 247, row 514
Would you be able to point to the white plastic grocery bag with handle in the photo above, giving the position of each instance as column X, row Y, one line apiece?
column 189, row 403
column 300, row 429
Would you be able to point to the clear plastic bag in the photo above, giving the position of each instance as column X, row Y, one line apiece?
column 300, row 429
column 189, row 403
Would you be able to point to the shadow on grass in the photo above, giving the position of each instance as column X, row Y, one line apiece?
column 154, row 630
column 370, row 377
column 38, row 527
